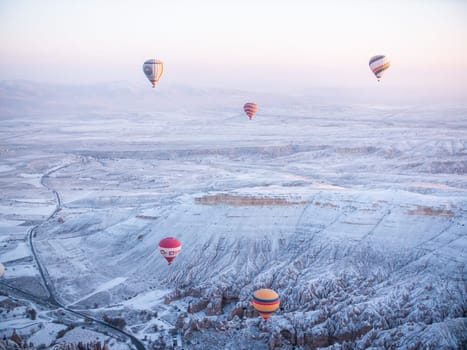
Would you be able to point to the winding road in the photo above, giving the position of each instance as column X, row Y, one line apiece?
column 52, row 299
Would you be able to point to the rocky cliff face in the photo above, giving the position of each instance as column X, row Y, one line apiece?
column 353, row 268
column 334, row 293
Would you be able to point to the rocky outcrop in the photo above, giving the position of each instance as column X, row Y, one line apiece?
column 238, row 200
column 199, row 305
column 16, row 338
column 93, row 345
column 7, row 344
column 182, row 292
column 215, row 306
column 423, row 210
column 181, row 320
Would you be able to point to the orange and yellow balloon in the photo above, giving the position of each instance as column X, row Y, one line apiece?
column 266, row 301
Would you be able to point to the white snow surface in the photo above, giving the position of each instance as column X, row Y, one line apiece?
column 356, row 215
column 19, row 252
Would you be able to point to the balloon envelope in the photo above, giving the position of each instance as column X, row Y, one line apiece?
column 169, row 248
column 250, row 109
column 265, row 301
column 379, row 64
column 153, row 69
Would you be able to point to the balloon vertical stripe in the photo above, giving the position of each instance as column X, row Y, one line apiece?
column 153, row 69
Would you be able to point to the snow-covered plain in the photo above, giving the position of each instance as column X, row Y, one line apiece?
column 355, row 214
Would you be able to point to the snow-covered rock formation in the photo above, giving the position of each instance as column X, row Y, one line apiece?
column 356, row 216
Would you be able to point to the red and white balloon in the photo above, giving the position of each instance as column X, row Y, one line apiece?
column 169, row 248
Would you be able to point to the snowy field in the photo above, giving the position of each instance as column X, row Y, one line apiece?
column 355, row 214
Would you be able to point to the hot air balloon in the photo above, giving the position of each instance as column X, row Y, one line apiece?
column 2, row 269
column 379, row 64
column 266, row 301
column 153, row 69
column 250, row 109
column 169, row 248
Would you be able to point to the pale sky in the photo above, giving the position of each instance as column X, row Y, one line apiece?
column 243, row 44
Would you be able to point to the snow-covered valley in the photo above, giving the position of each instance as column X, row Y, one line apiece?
column 356, row 215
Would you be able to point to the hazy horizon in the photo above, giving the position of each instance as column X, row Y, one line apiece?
column 252, row 46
